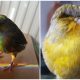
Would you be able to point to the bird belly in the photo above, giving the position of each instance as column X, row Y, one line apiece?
column 63, row 56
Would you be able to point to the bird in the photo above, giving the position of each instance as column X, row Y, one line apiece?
column 61, row 45
column 12, row 40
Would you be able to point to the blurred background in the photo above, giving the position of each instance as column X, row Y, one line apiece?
column 47, row 11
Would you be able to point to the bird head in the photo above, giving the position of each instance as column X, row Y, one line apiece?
column 66, row 19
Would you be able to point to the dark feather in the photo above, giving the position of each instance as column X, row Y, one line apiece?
column 14, row 40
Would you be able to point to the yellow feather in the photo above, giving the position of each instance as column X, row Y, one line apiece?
column 63, row 56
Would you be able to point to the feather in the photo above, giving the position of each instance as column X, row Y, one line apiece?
column 11, row 36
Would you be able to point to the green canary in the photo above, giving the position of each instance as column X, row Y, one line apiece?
column 12, row 39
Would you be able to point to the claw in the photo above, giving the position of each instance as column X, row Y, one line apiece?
column 9, row 67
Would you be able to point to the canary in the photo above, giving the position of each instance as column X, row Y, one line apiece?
column 12, row 40
column 61, row 45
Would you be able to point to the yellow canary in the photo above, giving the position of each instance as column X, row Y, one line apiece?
column 61, row 46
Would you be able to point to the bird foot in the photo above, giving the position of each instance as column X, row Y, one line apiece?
column 9, row 68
